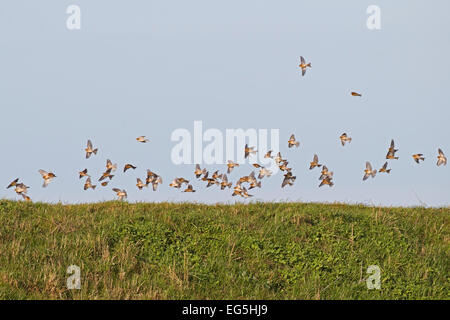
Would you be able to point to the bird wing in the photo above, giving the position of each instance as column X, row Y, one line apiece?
column 43, row 172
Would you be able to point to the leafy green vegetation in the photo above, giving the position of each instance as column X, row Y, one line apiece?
column 242, row 251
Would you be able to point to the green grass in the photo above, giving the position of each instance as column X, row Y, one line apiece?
column 194, row 251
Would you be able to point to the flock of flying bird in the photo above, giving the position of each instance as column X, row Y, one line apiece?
column 221, row 179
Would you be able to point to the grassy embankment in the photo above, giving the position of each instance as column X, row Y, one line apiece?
column 193, row 251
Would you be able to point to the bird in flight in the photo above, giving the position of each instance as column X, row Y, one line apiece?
column 418, row 157
column 142, row 139
column 224, row 183
column 121, row 194
column 314, row 163
column 178, row 182
column 279, row 159
column 128, row 166
column 303, row 65
column 199, row 171
column 268, row 155
column 140, row 184
column 106, row 174
column 110, row 166
column 385, row 169
column 288, row 179
column 344, row 138
column 369, row 172
column 88, row 184
column 83, row 173
column 21, row 188
column 356, row 94
column 231, row 165
column 441, row 158
column 154, row 179
column 90, row 149
column 327, row 181
column 292, row 142
column 249, row 150
column 47, row 176
column 325, row 173
column 189, row 188
column 391, row 153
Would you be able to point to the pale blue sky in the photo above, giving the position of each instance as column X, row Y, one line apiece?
column 150, row 67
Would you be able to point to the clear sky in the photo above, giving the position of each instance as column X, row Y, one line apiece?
column 150, row 67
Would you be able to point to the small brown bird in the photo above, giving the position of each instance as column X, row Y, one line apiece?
column 128, row 166
column 237, row 189
column 314, row 163
column 288, row 179
column 47, row 176
column 178, row 182
column 369, row 171
column 189, row 188
column 292, row 142
column 248, row 151
column 279, row 159
column 283, row 166
column 151, row 176
column 105, row 183
column 216, row 175
column 231, row 165
column 155, row 181
column 418, row 157
column 356, row 94
column 385, row 169
column 441, row 158
column 83, row 173
column 236, row 192
column 255, row 184
column 122, row 194
column 344, row 138
column 199, row 171
column 327, row 181
column 110, row 166
column 392, row 151
column 263, row 172
column 21, row 188
column 303, row 65
column 142, row 139
column 13, row 183
column 325, row 173
column 106, row 174
column 88, row 184
column 224, row 184
column 140, row 184
column 211, row 181
column 90, row 149
column 268, row 154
